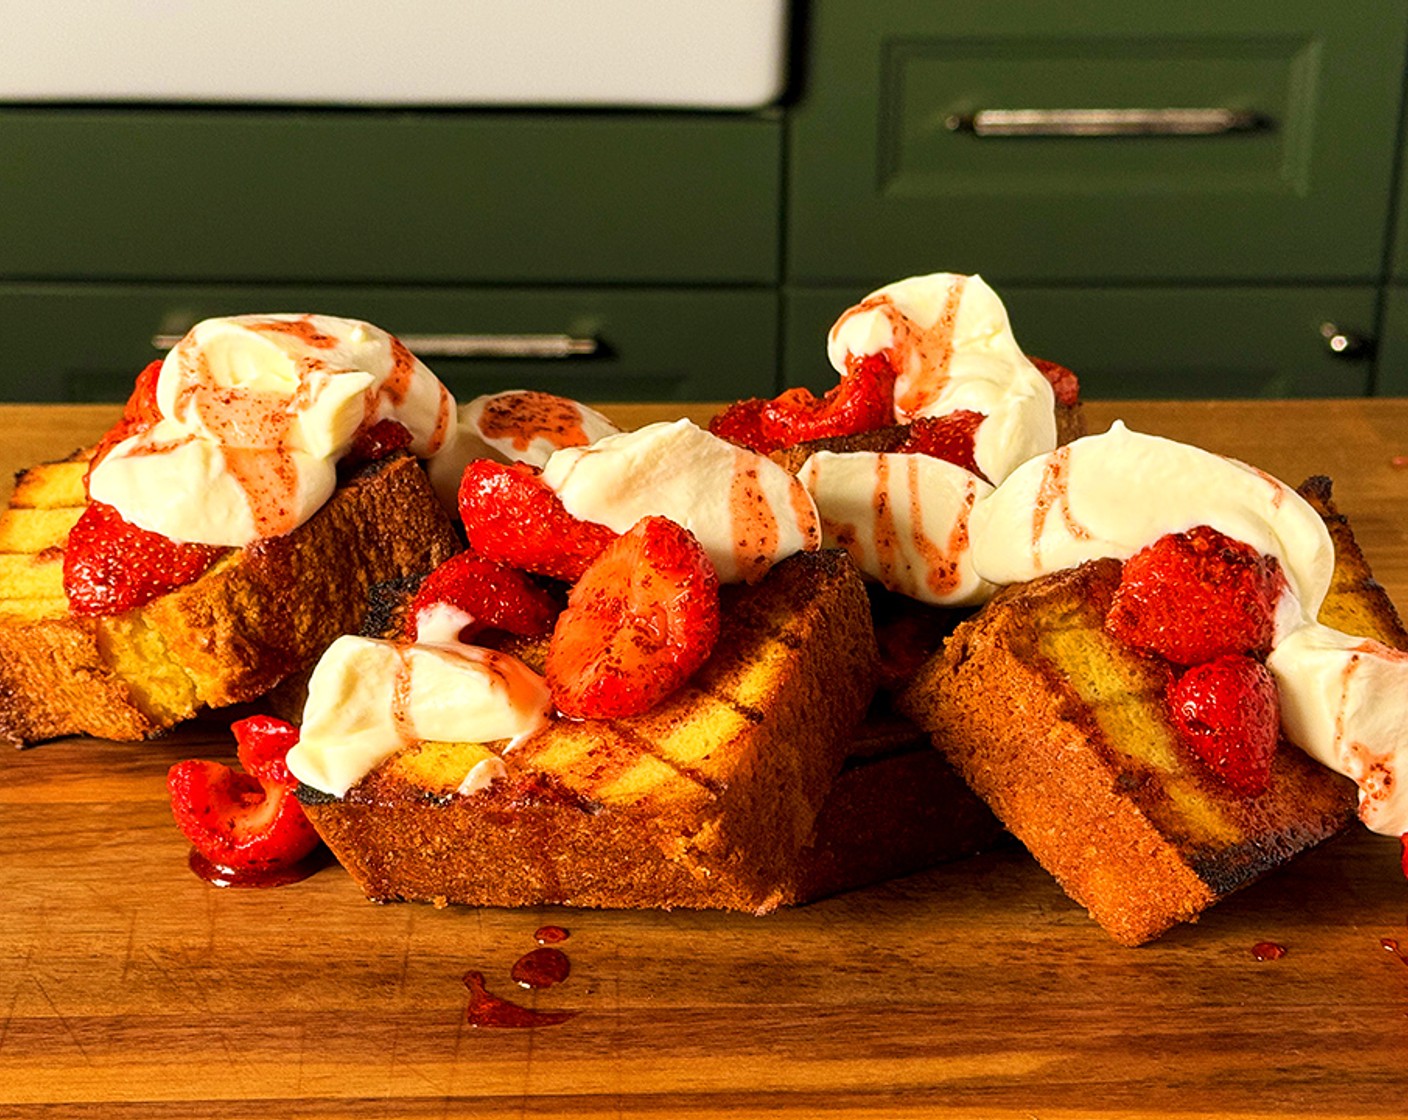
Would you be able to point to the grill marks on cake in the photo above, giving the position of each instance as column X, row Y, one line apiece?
column 529, row 415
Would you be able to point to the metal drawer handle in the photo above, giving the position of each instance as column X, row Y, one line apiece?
column 472, row 345
column 1106, row 122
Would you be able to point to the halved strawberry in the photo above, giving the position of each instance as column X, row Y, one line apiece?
column 863, row 400
column 510, row 515
column 493, row 596
column 111, row 565
column 638, row 623
column 1228, row 712
column 1064, row 383
column 947, row 437
column 1194, row 596
column 242, row 820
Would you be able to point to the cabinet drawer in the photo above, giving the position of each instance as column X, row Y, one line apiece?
column 87, row 342
column 345, row 196
column 1184, row 343
column 1300, row 187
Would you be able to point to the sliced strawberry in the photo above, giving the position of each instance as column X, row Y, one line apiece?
column 510, row 515
column 492, row 595
column 1064, row 383
column 1194, row 596
column 1227, row 711
column 742, row 424
column 946, row 437
column 138, row 414
column 383, row 438
column 638, row 623
column 244, row 820
column 111, row 565
column 862, row 401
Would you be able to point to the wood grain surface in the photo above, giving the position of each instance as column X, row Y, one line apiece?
column 129, row 988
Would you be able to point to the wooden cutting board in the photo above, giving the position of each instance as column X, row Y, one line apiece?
column 129, row 988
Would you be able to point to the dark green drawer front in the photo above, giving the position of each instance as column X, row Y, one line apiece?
column 880, row 185
column 400, row 197
column 1151, row 342
column 87, row 342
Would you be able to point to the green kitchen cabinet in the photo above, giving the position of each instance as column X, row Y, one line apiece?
column 1157, row 341
column 1393, row 345
column 88, row 341
column 936, row 137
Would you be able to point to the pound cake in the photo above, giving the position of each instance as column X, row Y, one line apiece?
column 223, row 533
column 1089, row 743
column 707, row 800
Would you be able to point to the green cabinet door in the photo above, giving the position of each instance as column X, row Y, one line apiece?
column 388, row 197
column 1154, row 342
column 85, row 342
column 897, row 164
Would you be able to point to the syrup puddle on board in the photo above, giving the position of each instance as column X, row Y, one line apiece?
column 1268, row 951
column 539, row 968
column 218, row 875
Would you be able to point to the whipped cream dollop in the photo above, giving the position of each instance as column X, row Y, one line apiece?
column 255, row 412
column 520, row 425
column 903, row 519
column 1113, row 494
column 951, row 345
column 369, row 698
column 746, row 511
column 1344, row 701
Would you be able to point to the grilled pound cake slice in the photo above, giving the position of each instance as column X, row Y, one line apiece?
column 706, row 801
column 259, row 615
column 1066, row 734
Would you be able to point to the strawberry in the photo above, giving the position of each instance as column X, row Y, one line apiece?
column 742, row 424
column 375, row 443
column 138, row 414
column 946, row 437
column 244, row 820
column 862, row 401
column 494, row 596
column 111, row 565
column 638, row 623
column 1063, row 382
column 1194, row 596
column 512, row 516
column 1227, row 711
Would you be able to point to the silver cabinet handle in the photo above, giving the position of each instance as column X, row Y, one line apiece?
column 1105, row 122
column 1342, row 343
column 472, row 345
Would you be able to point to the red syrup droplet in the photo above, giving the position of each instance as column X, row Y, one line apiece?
column 218, row 875
column 1392, row 946
column 542, row 968
column 488, row 1010
column 1268, row 951
column 550, row 935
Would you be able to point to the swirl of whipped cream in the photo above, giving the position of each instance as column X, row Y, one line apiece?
column 255, row 412
column 903, row 519
column 368, row 699
column 745, row 510
column 1116, row 493
column 951, row 345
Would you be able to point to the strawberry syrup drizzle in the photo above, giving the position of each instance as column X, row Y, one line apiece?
column 401, row 696
column 920, row 355
column 941, row 562
column 1268, row 951
column 1054, row 491
column 218, row 875
column 488, row 1010
column 751, row 519
column 541, row 968
column 526, row 416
